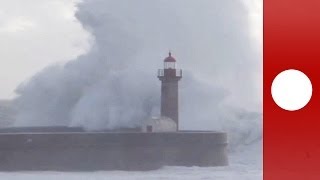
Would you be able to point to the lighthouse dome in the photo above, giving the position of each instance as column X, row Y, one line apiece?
column 170, row 58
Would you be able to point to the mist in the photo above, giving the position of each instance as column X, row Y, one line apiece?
column 114, row 85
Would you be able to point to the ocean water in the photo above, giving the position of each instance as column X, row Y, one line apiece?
column 237, row 172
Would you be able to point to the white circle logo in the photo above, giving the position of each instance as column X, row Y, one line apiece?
column 291, row 90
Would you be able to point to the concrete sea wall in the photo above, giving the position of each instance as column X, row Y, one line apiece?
column 80, row 151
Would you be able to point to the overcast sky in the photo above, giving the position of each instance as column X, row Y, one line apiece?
column 36, row 33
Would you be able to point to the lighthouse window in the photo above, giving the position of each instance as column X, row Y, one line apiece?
column 170, row 65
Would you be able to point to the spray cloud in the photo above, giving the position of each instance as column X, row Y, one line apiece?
column 115, row 84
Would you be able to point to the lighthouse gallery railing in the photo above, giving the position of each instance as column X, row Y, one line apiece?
column 178, row 72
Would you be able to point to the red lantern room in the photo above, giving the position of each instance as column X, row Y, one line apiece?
column 170, row 62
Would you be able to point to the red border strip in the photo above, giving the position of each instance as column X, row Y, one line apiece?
column 291, row 41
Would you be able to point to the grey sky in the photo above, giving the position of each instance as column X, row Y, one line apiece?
column 34, row 34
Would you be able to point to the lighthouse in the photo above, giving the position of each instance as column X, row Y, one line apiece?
column 156, row 144
column 169, row 77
